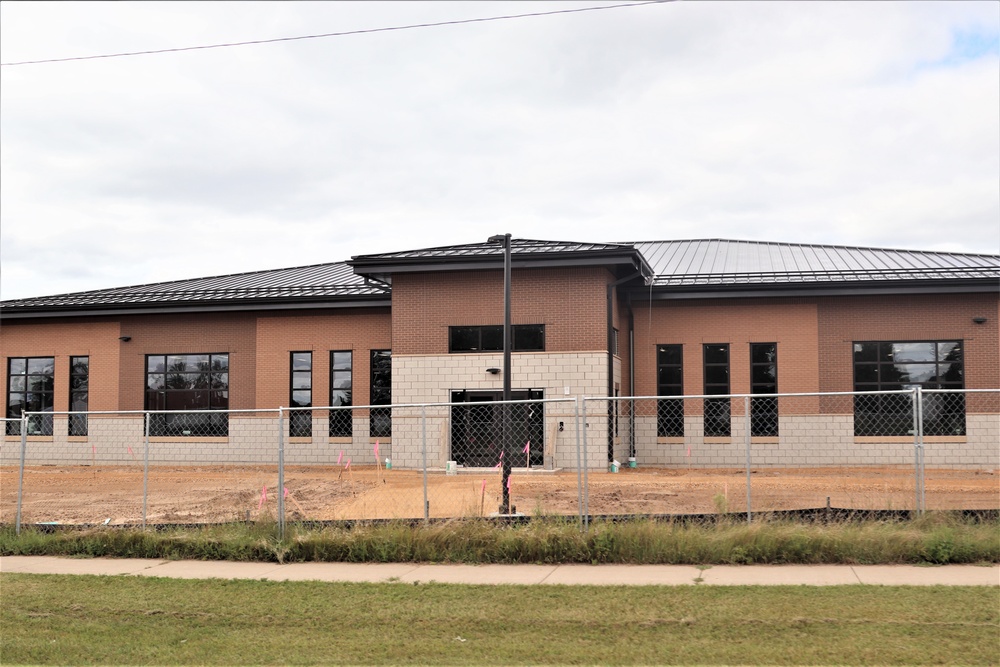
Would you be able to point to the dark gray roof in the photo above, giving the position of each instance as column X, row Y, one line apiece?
column 723, row 262
column 672, row 269
column 525, row 253
column 304, row 286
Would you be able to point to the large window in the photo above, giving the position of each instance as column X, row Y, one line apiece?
column 381, row 394
column 79, row 394
column 300, row 421
column 764, row 380
column 30, row 388
column 526, row 338
column 895, row 366
column 179, row 382
column 670, row 382
column 717, row 422
column 341, row 387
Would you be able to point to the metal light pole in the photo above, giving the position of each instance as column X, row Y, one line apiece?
column 505, row 507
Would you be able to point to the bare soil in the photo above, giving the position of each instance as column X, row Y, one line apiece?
column 211, row 494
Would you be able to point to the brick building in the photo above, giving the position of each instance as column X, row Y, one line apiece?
column 663, row 319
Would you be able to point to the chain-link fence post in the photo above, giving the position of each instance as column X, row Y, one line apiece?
column 746, row 437
column 579, row 462
column 281, row 473
column 145, row 467
column 423, row 454
column 918, row 446
column 20, row 479
column 581, row 448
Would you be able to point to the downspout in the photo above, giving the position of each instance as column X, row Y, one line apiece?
column 611, row 360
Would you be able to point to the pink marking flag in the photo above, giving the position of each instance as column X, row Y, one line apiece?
column 263, row 497
column 376, row 450
column 348, row 466
column 286, row 492
column 484, row 486
column 508, row 483
column 527, row 447
column 689, row 450
column 499, row 463
column 341, row 457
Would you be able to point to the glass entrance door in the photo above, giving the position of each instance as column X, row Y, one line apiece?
column 477, row 428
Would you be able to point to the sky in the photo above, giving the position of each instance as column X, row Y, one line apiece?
column 861, row 124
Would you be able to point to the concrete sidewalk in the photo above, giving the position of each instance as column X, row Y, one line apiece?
column 599, row 575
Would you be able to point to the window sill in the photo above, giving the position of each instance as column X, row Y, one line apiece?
column 31, row 438
column 188, row 438
column 861, row 439
column 300, row 440
column 381, row 441
column 765, row 439
column 340, row 439
column 718, row 440
column 670, row 440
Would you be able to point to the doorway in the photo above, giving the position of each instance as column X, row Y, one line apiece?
column 477, row 429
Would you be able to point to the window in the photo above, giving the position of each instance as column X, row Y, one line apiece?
column 670, row 382
column 892, row 366
column 717, row 411
column 341, row 423
column 381, row 394
column 30, row 388
column 79, row 394
column 300, row 421
column 179, row 382
column 764, row 380
column 526, row 338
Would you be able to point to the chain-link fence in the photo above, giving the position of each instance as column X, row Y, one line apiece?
column 662, row 455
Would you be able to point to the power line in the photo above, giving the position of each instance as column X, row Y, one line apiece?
column 336, row 34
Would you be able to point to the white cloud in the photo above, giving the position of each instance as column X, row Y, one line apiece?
column 873, row 124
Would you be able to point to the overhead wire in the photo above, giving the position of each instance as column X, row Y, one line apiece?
column 336, row 34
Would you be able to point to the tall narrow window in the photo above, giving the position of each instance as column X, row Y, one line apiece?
column 300, row 421
column 179, row 382
column 381, row 393
column 79, row 394
column 669, row 382
column 717, row 422
column 30, row 388
column 341, row 389
column 764, row 380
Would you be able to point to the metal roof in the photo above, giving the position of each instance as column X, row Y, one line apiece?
column 320, row 283
column 724, row 262
column 669, row 268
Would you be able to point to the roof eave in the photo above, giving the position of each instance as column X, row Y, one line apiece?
column 854, row 288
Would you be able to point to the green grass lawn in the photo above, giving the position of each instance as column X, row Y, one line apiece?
column 80, row 620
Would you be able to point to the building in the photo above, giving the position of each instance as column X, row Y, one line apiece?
column 654, row 319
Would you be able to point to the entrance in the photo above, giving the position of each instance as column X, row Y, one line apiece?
column 477, row 430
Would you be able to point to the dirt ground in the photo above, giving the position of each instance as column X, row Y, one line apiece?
column 210, row 494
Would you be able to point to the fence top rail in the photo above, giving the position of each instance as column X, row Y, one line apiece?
column 141, row 412
column 528, row 401
column 817, row 393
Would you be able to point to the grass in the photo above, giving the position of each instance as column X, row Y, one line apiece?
column 934, row 538
column 81, row 620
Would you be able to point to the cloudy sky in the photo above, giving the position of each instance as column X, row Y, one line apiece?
column 866, row 124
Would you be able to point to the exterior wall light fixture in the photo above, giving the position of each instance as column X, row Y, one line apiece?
column 979, row 320
column 493, row 371
column 124, row 339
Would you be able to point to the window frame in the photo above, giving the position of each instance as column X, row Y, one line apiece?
column 299, row 421
column 380, row 393
column 717, row 412
column 491, row 330
column 341, row 422
column 38, row 424
column 79, row 399
column 886, row 415
column 668, row 423
column 763, row 411
column 165, row 422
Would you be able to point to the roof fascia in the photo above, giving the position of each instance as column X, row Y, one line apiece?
column 867, row 289
column 424, row 265
column 215, row 308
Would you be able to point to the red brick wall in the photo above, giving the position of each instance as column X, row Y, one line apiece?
column 47, row 338
column 922, row 317
column 357, row 330
column 571, row 303
column 791, row 324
